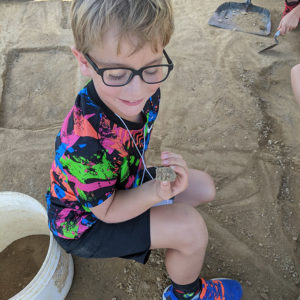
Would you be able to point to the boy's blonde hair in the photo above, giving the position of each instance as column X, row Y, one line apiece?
column 147, row 20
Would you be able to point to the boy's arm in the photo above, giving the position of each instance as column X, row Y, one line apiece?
column 124, row 205
column 295, row 79
column 290, row 21
column 127, row 204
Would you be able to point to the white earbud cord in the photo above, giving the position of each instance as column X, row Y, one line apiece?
column 136, row 147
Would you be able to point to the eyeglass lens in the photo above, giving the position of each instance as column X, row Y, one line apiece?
column 121, row 76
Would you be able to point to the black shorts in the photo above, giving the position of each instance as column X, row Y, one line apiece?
column 129, row 239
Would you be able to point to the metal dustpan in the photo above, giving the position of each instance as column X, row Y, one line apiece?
column 244, row 17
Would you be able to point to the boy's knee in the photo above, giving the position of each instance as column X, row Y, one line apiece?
column 193, row 231
column 210, row 190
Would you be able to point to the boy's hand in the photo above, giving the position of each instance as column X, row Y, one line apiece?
column 166, row 190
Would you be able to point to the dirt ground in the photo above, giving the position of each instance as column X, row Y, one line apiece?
column 227, row 109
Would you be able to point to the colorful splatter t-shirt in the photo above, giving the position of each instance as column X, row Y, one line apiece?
column 95, row 156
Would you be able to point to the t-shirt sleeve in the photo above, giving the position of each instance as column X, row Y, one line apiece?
column 85, row 165
column 90, row 172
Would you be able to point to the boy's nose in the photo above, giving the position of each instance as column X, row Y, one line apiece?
column 136, row 84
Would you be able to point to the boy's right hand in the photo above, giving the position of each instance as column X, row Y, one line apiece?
column 166, row 190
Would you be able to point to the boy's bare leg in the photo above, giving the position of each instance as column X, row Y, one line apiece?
column 201, row 189
column 181, row 230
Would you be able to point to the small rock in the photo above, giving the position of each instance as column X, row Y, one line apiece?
column 165, row 174
column 248, row 283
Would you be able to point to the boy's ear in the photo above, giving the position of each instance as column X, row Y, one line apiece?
column 83, row 63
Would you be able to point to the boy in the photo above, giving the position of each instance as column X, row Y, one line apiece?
column 290, row 17
column 100, row 203
column 295, row 79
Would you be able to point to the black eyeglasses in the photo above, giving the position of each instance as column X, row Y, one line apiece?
column 121, row 76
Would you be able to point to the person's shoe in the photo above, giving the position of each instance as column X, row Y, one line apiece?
column 215, row 289
column 168, row 294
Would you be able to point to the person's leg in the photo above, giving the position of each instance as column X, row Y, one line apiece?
column 201, row 189
column 295, row 80
column 181, row 230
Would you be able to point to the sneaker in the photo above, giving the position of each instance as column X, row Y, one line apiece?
column 215, row 289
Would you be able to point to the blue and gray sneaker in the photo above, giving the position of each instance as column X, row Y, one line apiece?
column 215, row 289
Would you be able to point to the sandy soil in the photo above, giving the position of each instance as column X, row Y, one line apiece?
column 227, row 109
column 20, row 262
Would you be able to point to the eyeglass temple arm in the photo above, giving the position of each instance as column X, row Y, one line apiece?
column 168, row 58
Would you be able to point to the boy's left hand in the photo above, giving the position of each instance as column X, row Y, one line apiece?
column 177, row 163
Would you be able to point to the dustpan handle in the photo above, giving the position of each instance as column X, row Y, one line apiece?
column 248, row 3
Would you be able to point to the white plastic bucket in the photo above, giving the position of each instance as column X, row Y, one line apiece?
column 21, row 216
